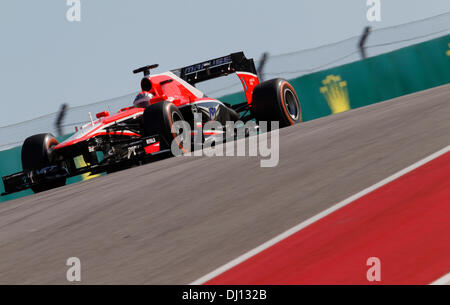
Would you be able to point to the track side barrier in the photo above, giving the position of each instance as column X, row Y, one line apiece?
column 376, row 79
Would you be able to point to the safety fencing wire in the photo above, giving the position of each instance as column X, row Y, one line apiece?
column 14, row 135
column 295, row 64
column 288, row 65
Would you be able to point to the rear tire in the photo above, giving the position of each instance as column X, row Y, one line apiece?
column 276, row 100
column 159, row 119
column 36, row 154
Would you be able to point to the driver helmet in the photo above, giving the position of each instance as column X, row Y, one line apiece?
column 142, row 100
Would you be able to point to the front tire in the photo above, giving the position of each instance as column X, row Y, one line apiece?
column 276, row 100
column 159, row 119
column 37, row 153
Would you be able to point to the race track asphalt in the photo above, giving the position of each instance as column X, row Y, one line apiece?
column 173, row 221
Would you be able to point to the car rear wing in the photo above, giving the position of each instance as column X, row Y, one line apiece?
column 233, row 63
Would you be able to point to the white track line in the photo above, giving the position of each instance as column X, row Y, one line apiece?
column 315, row 218
column 445, row 280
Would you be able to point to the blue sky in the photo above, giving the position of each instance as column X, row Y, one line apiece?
column 46, row 60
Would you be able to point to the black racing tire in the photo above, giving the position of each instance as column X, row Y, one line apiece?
column 159, row 119
column 37, row 153
column 276, row 100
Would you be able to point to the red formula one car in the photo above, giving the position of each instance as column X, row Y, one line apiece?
column 136, row 135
